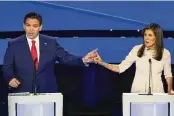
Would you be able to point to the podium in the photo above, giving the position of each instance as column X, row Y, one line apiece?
column 43, row 104
column 158, row 104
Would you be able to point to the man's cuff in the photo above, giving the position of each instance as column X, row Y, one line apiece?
column 86, row 64
column 83, row 60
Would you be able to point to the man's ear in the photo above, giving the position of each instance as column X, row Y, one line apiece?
column 24, row 26
column 40, row 27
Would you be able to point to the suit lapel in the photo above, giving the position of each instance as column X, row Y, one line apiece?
column 26, row 54
column 42, row 46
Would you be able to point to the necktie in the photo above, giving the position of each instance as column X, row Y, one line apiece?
column 34, row 54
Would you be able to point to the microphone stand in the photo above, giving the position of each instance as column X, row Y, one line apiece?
column 34, row 87
column 150, row 76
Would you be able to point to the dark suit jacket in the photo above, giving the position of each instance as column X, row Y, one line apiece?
column 18, row 63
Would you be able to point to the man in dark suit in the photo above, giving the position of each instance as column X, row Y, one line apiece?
column 39, row 51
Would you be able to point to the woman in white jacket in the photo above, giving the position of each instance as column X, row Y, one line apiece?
column 152, row 50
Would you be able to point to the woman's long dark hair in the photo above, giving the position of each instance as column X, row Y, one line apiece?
column 159, row 47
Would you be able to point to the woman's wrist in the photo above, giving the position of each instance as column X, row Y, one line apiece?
column 103, row 63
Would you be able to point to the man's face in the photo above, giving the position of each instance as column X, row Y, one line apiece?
column 32, row 27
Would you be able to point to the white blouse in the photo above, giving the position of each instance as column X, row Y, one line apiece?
column 141, row 79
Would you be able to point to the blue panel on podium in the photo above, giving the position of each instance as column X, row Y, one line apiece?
column 35, row 109
column 150, row 109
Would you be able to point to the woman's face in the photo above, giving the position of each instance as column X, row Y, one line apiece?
column 149, row 39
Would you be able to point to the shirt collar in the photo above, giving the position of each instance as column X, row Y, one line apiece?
column 148, row 49
column 36, row 39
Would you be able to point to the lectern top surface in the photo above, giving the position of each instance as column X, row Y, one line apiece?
column 164, row 94
column 31, row 94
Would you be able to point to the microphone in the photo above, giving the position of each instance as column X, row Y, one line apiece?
column 34, row 87
column 150, row 77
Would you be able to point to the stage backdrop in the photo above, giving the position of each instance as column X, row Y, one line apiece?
column 88, row 15
column 112, row 50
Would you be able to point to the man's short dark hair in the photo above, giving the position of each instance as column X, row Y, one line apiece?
column 33, row 15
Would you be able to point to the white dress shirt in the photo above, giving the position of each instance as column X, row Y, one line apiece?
column 36, row 44
column 141, row 79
